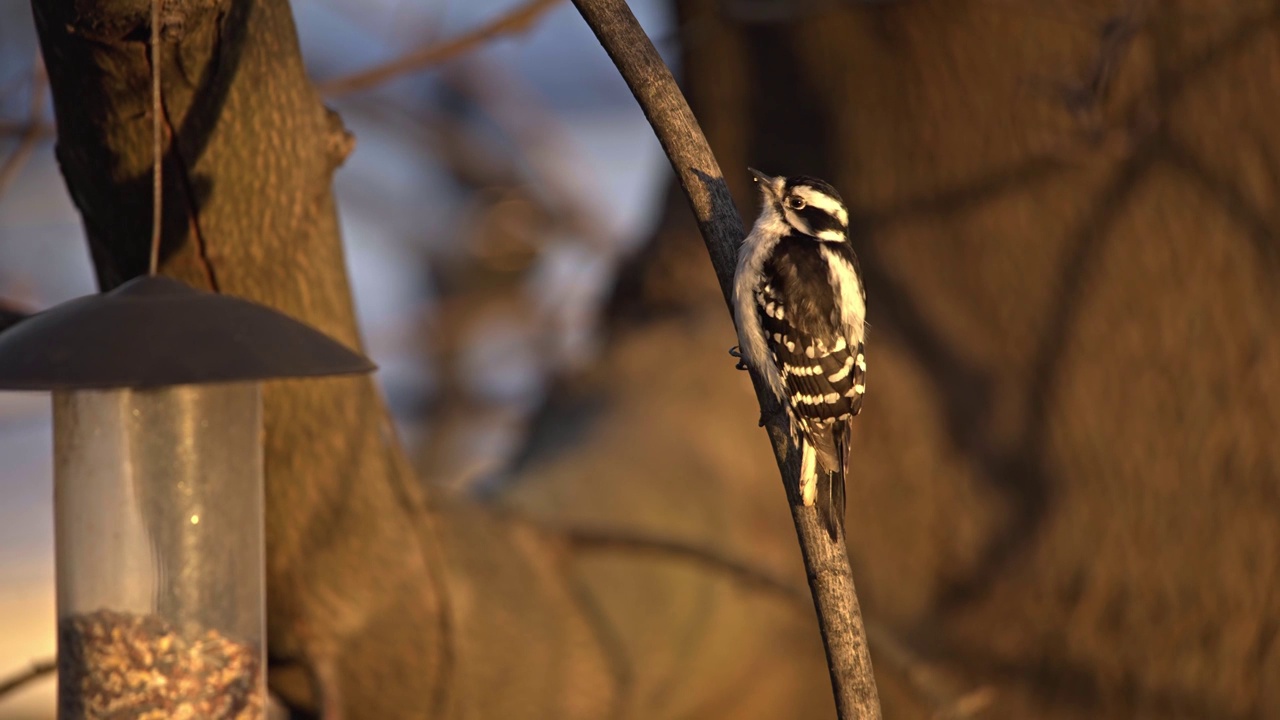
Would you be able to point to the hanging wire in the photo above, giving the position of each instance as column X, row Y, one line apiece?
column 157, row 142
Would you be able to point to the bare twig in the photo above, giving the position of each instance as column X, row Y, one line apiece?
column 612, row 540
column 539, row 142
column 20, row 679
column 946, row 697
column 31, row 134
column 9, row 128
column 826, row 560
column 17, row 159
column 519, row 20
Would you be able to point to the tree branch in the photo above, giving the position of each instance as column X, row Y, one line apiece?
column 583, row 539
column 20, row 679
column 826, row 561
column 31, row 133
column 518, row 20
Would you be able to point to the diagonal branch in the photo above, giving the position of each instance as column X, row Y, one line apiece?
column 32, row 131
column 826, row 561
column 518, row 20
column 20, row 679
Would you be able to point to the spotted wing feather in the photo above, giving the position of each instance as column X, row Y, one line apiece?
column 823, row 369
column 820, row 362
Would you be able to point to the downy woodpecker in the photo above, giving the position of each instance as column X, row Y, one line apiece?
column 799, row 306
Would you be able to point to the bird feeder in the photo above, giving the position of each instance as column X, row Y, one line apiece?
column 158, row 494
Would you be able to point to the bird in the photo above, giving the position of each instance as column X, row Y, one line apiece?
column 799, row 306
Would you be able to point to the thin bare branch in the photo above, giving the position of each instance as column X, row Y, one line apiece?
column 540, row 143
column 31, row 134
column 946, row 696
column 826, row 560
column 519, row 20
column 17, row 159
column 612, row 540
column 9, row 128
column 22, row 678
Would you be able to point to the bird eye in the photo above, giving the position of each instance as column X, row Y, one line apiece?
column 795, row 203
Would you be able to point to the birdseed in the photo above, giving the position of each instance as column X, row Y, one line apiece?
column 119, row 665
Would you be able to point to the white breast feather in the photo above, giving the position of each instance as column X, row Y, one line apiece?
column 768, row 230
column 853, row 309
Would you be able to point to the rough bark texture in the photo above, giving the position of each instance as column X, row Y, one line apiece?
column 826, row 560
column 1068, row 482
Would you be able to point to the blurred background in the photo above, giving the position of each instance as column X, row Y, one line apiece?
column 484, row 215
column 1066, row 495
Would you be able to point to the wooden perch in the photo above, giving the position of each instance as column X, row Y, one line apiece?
column 826, row 561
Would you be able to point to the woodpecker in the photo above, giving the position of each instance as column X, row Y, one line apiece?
column 800, row 308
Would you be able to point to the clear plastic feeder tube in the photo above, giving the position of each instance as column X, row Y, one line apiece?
column 160, row 563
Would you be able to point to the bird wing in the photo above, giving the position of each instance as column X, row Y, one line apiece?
column 822, row 382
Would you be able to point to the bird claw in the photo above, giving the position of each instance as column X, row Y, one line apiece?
column 736, row 351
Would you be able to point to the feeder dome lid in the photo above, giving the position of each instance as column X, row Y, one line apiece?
column 155, row 331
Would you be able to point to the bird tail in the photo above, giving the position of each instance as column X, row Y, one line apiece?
column 823, row 470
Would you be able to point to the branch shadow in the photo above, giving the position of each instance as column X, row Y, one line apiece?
column 965, row 389
column 1258, row 227
column 1068, row 684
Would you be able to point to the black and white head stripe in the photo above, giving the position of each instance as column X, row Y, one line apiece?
column 813, row 207
column 820, row 194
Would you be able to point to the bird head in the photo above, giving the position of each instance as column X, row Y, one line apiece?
column 808, row 206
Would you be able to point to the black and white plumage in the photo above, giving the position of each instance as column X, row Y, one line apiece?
column 800, row 308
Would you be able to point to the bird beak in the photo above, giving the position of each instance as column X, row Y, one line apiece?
column 768, row 184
